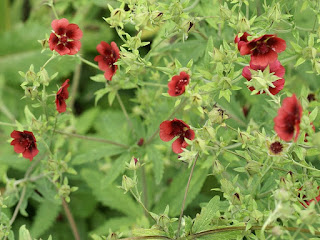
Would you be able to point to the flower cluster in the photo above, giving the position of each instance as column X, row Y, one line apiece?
column 264, row 52
column 176, row 128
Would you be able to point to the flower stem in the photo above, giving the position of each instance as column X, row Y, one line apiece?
column 75, row 84
column 49, row 60
column 92, row 139
column 185, row 195
column 88, row 62
column 70, row 220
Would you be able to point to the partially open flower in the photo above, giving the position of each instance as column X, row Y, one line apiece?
column 241, row 40
column 174, row 128
column 25, row 143
column 178, row 84
column 264, row 50
column 306, row 202
column 275, row 68
column 66, row 37
column 287, row 122
column 109, row 55
column 61, row 97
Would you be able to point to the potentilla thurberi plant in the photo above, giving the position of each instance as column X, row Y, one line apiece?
column 160, row 120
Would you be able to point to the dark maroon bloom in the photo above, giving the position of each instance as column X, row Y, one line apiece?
column 241, row 40
column 275, row 68
column 61, row 97
column 311, row 97
column 287, row 122
column 140, row 142
column 263, row 50
column 66, row 37
column 174, row 128
column 305, row 202
column 109, row 55
column 25, row 143
column 178, row 84
column 276, row 147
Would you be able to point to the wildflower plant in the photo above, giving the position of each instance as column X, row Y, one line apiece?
column 94, row 107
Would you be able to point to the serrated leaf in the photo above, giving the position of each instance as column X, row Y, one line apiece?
column 96, row 153
column 203, row 220
column 173, row 195
column 86, row 119
column 157, row 160
column 110, row 195
column 114, row 224
column 45, row 217
column 118, row 168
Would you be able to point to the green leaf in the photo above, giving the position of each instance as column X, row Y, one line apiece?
column 110, row 195
column 118, row 168
column 157, row 160
column 173, row 196
column 96, row 153
column 45, row 217
column 299, row 62
column 24, row 233
column 228, row 235
column 313, row 114
column 203, row 221
column 98, row 78
column 85, row 121
column 115, row 224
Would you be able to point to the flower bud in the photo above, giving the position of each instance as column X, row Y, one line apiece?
column 127, row 183
column 196, row 99
column 281, row 195
column 31, row 92
column 235, row 200
column 253, row 167
column 44, row 77
column 217, row 167
column 243, row 25
column 116, row 17
column 140, row 142
column 217, row 115
column 134, row 164
column 31, row 76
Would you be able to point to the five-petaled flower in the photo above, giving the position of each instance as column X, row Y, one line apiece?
column 287, row 122
column 176, row 128
column 241, row 40
column 264, row 50
column 61, row 97
column 65, row 38
column 25, row 143
column 109, row 55
column 178, row 84
column 275, row 68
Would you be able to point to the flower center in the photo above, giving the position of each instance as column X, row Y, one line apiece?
column 63, row 39
column 276, row 147
column 263, row 47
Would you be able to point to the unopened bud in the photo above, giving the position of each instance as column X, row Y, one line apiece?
column 217, row 167
column 127, row 183
column 31, row 92
column 134, row 164
column 235, row 200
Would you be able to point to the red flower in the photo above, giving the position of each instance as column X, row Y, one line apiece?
column 109, row 56
column 307, row 202
column 25, row 143
column 61, row 97
column 65, row 38
column 275, row 67
column 178, row 84
column 264, row 49
column 241, row 40
column 173, row 128
column 288, row 120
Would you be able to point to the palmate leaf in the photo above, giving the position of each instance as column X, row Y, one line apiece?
column 110, row 195
column 173, row 196
column 45, row 217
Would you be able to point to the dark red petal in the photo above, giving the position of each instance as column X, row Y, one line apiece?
column 246, row 73
column 244, row 49
column 61, row 105
column 283, row 133
column 15, row 134
column 53, row 41
column 59, row 25
column 30, row 134
column 30, row 153
column 165, row 132
column 18, row 147
column 264, row 59
column 61, row 49
column 74, row 46
column 73, row 32
column 115, row 50
column 108, row 74
column 102, row 47
column 279, row 84
column 277, row 44
column 184, row 75
column 178, row 144
column 190, row 134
